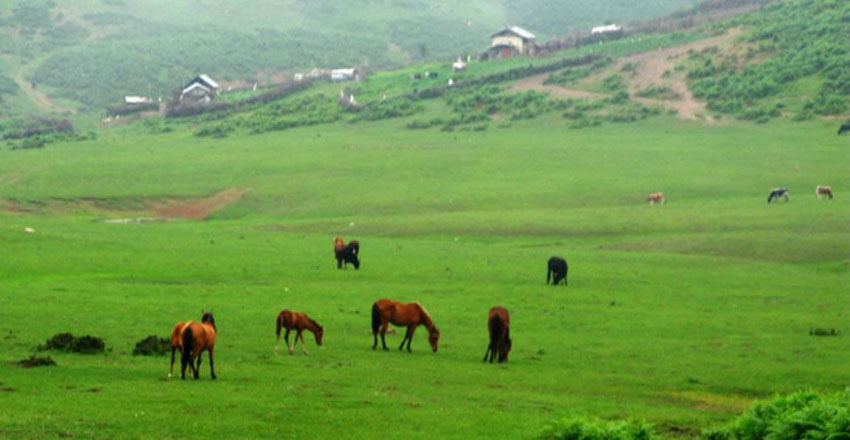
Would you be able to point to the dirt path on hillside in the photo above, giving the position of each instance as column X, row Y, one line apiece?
column 536, row 83
column 199, row 209
column 650, row 71
column 33, row 94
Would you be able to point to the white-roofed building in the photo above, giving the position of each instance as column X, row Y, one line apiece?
column 510, row 42
column 202, row 88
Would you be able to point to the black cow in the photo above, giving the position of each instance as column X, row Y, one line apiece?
column 845, row 128
column 777, row 193
column 351, row 254
column 557, row 271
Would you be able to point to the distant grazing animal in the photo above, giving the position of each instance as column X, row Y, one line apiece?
column 845, row 128
column 776, row 193
column 654, row 198
column 431, row 74
column 410, row 315
column 339, row 247
column 298, row 321
column 195, row 338
column 416, row 76
column 498, row 324
column 556, row 271
column 351, row 254
column 823, row 191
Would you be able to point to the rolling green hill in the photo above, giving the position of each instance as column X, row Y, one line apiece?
column 86, row 54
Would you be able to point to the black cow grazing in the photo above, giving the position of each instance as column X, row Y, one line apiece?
column 351, row 254
column 777, row 193
column 557, row 271
column 845, row 128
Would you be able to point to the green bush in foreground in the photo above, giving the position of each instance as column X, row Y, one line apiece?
column 801, row 415
column 583, row 429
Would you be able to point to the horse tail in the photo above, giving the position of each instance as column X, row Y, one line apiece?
column 376, row 318
column 279, row 325
column 188, row 344
column 496, row 329
column 548, row 273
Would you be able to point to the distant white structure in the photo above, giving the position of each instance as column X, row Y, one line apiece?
column 202, row 88
column 136, row 100
column 606, row 29
column 458, row 65
column 350, row 74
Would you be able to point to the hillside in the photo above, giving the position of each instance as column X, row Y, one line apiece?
column 84, row 55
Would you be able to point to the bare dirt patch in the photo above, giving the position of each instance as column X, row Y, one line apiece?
column 199, row 209
column 536, row 83
column 142, row 209
column 650, row 68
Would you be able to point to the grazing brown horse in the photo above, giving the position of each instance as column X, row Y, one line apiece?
column 410, row 315
column 654, row 198
column 823, row 191
column 500, row 335
column 197, row 337
column 339, row 247
column 297, row 321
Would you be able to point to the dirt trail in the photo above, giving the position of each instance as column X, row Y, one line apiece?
column 39, row 99
column 199, row 209
column 536, row 83
column 650, row 70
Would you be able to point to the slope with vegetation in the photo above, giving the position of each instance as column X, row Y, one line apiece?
column 95, row 52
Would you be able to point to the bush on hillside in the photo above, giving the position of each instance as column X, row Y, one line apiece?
column 584, row 429
column 802, row 415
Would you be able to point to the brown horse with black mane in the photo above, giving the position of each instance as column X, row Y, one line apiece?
column 193, row 338
column 498, row 324
column 410, row 315
column 297, row 321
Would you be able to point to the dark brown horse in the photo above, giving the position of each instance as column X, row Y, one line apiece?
column 197, row 337
column 498, row 324
column 410, row 315
column 297, row 321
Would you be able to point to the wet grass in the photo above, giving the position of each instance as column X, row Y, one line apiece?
column 679, row 314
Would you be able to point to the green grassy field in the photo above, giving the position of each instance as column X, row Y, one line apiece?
column 680, row 314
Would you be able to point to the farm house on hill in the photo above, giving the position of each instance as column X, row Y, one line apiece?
column 510, row 42
column 202, row 88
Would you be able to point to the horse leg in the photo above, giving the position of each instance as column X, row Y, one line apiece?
column 406, row 337
column 300, row 335
column 410, row 338
column 212, row 368
column 197, row 371
column 487, row 353
column 384, row 335
column 171, row 372
column 288, row 348
column 198, row 365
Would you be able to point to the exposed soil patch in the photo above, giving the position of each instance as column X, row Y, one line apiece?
column 145, row 209
column 648, row 69
column 199, row 209
column 536, row 83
